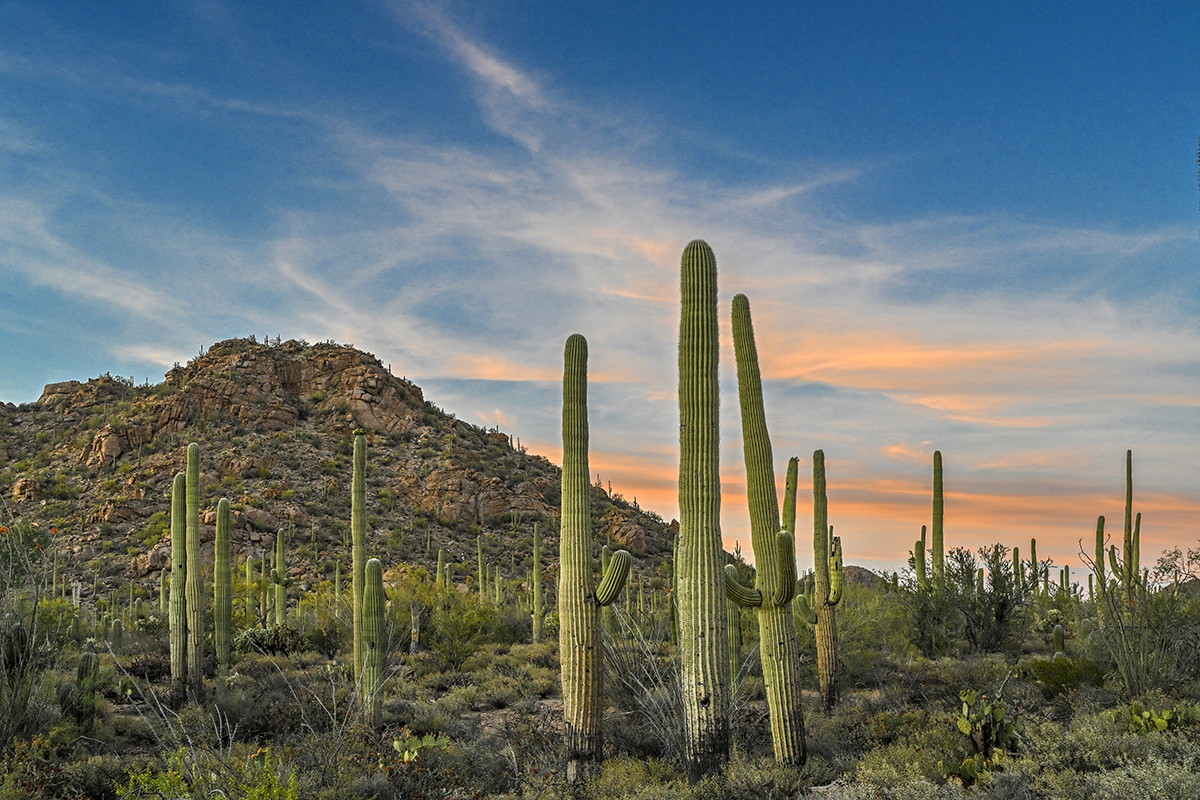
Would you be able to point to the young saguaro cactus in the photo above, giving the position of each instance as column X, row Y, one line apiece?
column 374, row 640
column 251, row 593
column 222, row 591
column 534, row 603
column 579, row 599
column 774, row 555
column 86, row 678
column 177, row 610
column 281, row 578
column 358, row 532
column 193, row 587
column 700, row 577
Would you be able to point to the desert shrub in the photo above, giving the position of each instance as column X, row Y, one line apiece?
column 33, row 629
column 460, row 625
column 150, row 667
column 761, row 779
column 276, row 640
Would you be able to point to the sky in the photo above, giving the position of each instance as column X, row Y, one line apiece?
column 971, row 228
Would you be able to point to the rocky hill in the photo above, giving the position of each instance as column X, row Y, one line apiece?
column 95, row 461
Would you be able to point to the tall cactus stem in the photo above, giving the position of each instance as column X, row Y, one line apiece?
column 939, row 516
column 222, row 591
column 374, row 640
column 358, row 533
column 578, row 599
column 774, row 551
column 194, row 586
column 281, row 577
column 177, row 608
column 251, row 593
column 825, row 604
column 703, row 620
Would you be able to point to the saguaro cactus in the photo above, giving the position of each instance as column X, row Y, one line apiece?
column 177, row 612
column 827, row 589
column 251, row 593
column 374, row 641
column 86, row 678
column 939, row 516
column 194, row 586
column 579, row 600
column 222, row 590
column 700, row 578
column 358, row 531
column 281, row 577
column 534, row 603
column 774, row 554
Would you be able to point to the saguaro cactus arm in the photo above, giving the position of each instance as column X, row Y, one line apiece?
column 738, row 592
column 614, row 577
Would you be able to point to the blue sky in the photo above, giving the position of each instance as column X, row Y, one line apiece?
column 961, row 227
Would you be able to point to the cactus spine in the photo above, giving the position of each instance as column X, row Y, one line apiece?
column 373, row 640
column 579, row 600
column 281, row 578
column 774, row 554
column 358, row 531
column 700, row 579
column 177, row 613
column 194, row 586
column 222, row 590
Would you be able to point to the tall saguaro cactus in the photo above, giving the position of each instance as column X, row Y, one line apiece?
column 700, row 578
column 194, row 585
column 222, row 591
column 177, row 608
column 358, row 532
column 374, row 639
column 827, row 592
column 774, row 555
column 579, row 600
